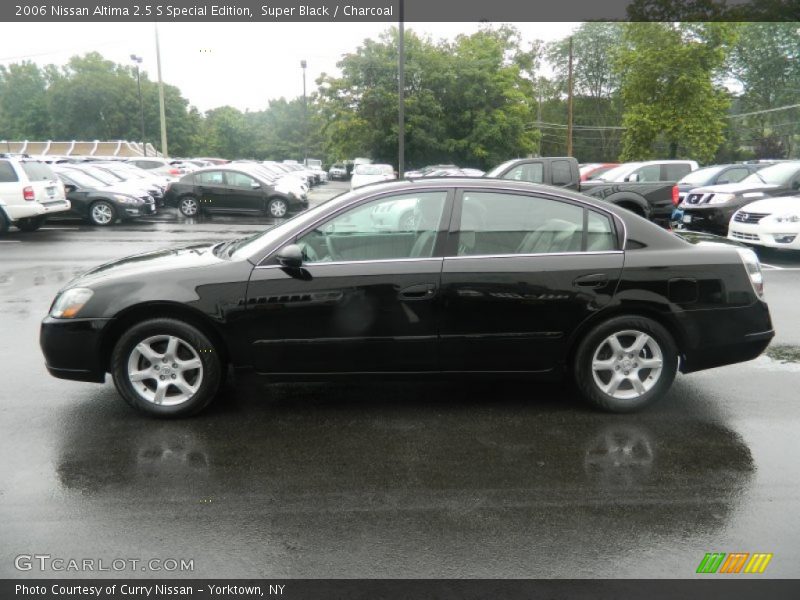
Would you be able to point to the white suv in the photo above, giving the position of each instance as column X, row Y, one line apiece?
column 29, row 192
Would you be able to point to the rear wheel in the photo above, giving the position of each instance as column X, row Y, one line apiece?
column 30, row 224
column 4, row 223
column 625, row 364
column 102, row 213
column 277, row 208
column 189, row 206
column 166, row 368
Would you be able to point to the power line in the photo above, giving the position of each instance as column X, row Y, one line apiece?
column 761, row 112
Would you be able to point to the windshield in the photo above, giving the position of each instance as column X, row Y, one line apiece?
column 251, row 247
column 500, row 168
column 81, row 178
column 103, row 176
column 700, row 176
column 618, row 172
column 777, row 174
column 373, row 170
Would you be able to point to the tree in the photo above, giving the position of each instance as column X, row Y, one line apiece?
column 23, row 102
column 669, row 91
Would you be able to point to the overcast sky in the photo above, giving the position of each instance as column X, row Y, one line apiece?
column 214, row 64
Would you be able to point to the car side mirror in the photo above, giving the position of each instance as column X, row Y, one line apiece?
column 255, row 185
column 290, row 256
column 632, row 177
column 69, row 188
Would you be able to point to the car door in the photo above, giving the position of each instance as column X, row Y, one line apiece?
column 366, row 298
column 243, row 192
column 211, row 187
column 521, row 271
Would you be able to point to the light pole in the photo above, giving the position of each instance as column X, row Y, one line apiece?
column 138, row 61
column 304, row 64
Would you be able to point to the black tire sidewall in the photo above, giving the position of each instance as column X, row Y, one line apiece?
column 4, row 221
column 585, row 353
column 29, row 224
column 212, row 366
column 180, row 206
column 114, row 215
column 272, row 201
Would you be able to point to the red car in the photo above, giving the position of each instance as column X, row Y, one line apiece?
column 594, row 170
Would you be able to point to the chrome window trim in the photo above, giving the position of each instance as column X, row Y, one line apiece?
column 358, row 262
column 422, row 187
column 534, row 255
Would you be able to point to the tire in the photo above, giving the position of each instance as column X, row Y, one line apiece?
column 4, row 222
column 189, row 206
column 102, row 214
column 598, row 365
column 277, row 208
column 180, row 353
column 30, row 224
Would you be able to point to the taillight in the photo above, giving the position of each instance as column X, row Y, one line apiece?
column 675, row 195
column 174, row 172
column 28, row 193
column 753, row 268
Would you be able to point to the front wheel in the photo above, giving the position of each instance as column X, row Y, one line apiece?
column 30, row 224
column 166, row 368
column 626, row 363
column 102, row 214
column 277, row 208
column 189, row 206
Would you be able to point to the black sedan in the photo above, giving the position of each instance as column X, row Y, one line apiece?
column 230, row 189
column 101, row 204
column 491, row 278
column 710, row 208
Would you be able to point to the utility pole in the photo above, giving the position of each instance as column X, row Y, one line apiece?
column 138, row 61
column 401, row 93
column 164, row 150
column 569, row 101
column 304, row 64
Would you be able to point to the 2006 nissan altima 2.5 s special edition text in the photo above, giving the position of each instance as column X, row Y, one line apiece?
column 489, row 277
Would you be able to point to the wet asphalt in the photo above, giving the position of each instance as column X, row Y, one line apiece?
column 495, row 479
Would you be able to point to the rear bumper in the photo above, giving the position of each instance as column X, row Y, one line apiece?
column 725, row 337
column 72, row 348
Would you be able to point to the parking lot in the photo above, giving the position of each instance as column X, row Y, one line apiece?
column 443, row 479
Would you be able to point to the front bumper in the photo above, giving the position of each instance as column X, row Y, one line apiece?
column 770, row 235
column 72, row 348
column 712, row 220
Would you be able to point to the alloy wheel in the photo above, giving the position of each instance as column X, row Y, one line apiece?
column 165, row 370
column 627, row 364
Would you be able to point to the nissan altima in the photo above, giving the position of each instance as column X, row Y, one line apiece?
column 490, row 278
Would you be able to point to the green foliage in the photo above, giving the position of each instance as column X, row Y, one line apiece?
column 23, row 102
column 668, row 89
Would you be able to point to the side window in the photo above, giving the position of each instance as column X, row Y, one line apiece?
column 649, row 173
column 7, row 172
column 675, row 172
column 599, row 233
column 239, row 180
column 210, row 178
column 499, row 223
column 532, row 172
column 393, row 227
column 561, row 172
column 733, row 175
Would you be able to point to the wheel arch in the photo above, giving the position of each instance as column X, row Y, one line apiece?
column 633, row 202
column 655, row 313
column 160, row 309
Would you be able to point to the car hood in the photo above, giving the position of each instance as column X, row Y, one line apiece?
column 150, row 263
column 734, row 188
column 782, row 204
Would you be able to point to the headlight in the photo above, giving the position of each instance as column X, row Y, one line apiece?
column 721, row 198
column 69, row 304
column 790, row 218
column 125, row 199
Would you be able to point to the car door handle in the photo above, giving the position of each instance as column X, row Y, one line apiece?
column 594, row 280
column 421, row 291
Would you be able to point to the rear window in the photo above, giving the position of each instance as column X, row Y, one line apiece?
column 7, row 172
column 673, row 172
column 37, row 171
